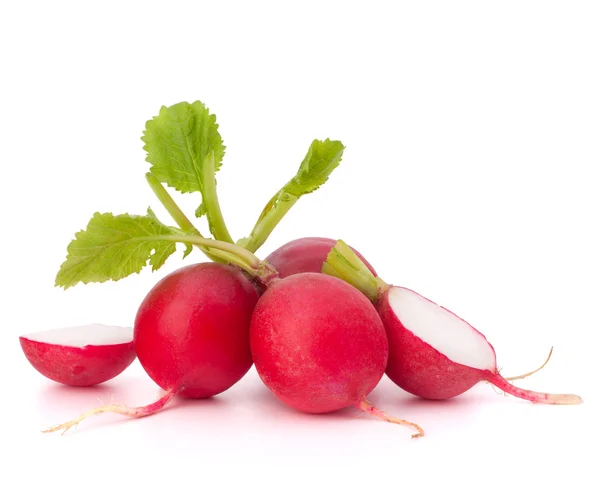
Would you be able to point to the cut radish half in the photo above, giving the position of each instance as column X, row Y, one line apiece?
column 434, row 354
column 82, row 355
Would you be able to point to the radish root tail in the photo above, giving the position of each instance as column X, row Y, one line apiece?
column 525, row 375
column 132, row 412
column 369, row 408
column 532, row 396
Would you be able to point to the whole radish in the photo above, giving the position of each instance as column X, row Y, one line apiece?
column 319, row 345
column 433, row 353
column 305, row 255
column 191, row 329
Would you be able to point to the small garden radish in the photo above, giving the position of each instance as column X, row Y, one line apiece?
column 433, row 353
column 319, row 345
column 191, row 330
column 305, row 255
column 80, row 356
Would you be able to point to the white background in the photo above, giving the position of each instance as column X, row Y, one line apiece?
column 470, row 175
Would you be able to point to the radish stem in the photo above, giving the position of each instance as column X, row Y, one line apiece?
column 343, row 263
column 175, row 212
column 268, row 220
column 216, row 222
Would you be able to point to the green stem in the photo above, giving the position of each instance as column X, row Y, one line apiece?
column 175, row 212
column 231, row 253
column 169, row 204
column 217, row 246
column 343, row 263
column 211, row 201
column 269, row 219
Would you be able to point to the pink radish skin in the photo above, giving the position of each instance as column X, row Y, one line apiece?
column 80, row 356
column 428, row 363
column 319, row 345
column 305, row 255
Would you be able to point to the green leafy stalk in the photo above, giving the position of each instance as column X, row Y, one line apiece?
column 211, row 204
column 175, row 212
column 343, row 263
column 179, row 142
column 113, row 247
column 322, row 158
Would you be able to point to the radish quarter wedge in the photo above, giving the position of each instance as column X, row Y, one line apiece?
column 80, row 356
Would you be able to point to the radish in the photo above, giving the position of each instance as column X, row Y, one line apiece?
column 318, row 342
column 319, row 345
column 304, row 255
column 434, row 354
column 81, row 356
column 191, row 330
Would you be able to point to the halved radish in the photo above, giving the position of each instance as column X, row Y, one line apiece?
column 437, row 355
column 80, row 356
column 434, row 354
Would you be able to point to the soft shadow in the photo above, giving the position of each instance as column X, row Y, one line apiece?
column 264, row 401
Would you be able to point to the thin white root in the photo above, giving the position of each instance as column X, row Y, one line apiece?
column 525, row 375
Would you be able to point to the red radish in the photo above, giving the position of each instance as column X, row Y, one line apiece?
column 191, row 330
column 433, row 353
column 304, row 255
column 191, row 335
column 80, row 356
column 319, row 345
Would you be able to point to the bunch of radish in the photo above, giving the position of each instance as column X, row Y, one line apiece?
column 314, row 318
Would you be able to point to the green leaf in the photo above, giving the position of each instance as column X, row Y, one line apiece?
column 322, row 158
column 178, row 140
column 113, row 247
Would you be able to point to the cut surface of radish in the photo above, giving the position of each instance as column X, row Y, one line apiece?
column 83, row 335
column 442, row 330
column 82, row 355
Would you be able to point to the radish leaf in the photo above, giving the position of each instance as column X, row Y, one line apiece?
column 113, row 247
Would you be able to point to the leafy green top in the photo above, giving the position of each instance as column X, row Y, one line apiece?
column 322, row 158
column 178, row 140
column 113, row 247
